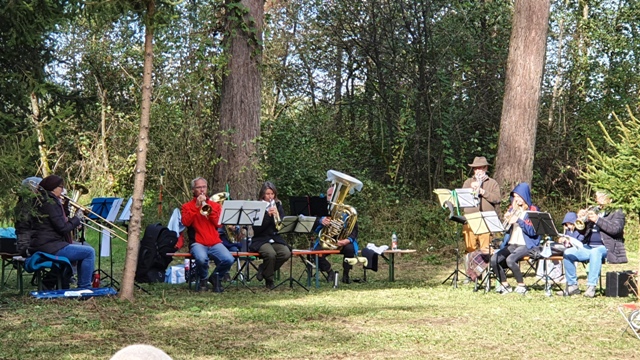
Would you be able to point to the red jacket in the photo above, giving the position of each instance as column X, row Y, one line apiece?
column 202, row 229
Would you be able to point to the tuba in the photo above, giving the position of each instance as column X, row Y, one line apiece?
column 343, row 216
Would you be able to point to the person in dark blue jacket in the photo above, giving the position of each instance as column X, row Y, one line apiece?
column 519, row 239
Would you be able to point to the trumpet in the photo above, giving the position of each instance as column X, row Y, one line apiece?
column 581, row 223
column 276, row 216
column 95, row 224
column 205, row 209
column 515, row 211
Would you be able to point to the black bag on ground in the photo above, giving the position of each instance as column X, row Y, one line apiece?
column 50, row 278
column 157, row 241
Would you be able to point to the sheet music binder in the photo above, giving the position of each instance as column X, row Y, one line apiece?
column 484, row 222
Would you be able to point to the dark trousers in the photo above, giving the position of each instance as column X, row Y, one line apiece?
column 509, row 257
column 348, row 251
column 273, row 257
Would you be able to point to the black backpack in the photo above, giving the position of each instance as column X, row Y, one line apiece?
column 157, row 241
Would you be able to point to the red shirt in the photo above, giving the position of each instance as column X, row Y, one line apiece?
column 204, row 229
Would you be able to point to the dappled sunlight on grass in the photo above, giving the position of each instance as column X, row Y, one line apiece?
column 414, row 318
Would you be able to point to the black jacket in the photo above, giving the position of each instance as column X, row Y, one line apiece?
column 267, row 231
column 612, row 233
column 50, row 227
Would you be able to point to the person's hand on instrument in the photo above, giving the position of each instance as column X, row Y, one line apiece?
column 326, row 221
column 272, row 211
column 79, row 215
column 343, row 242
column 201, row 199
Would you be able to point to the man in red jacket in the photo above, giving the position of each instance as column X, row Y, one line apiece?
column 202, row 228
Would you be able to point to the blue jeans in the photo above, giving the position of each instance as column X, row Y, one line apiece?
column 218, row 253
column 593, row 255
column 86, row 258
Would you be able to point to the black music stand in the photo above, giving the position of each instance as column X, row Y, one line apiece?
column 107, row 208
column 295, row 225
column 453, row 201
column 243, row 213
column 543, row 225
column 482, row 223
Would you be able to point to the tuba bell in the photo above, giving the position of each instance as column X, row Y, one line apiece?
column 343, row 216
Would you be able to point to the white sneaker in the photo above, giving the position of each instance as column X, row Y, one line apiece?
column 521, row 290
column 501, row 289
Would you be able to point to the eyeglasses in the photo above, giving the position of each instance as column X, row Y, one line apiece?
column 201, row 187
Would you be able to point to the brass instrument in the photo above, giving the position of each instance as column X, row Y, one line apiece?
column 343, row 217
column 581, row 223
column 515, row 211
column 205, row 209
column 276, row 216
column 78, row 190
column 95, row 224
column 220, row 198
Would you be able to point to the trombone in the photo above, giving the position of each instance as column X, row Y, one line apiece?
column 96, row 225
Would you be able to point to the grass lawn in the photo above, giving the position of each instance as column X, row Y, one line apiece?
column 414, row 318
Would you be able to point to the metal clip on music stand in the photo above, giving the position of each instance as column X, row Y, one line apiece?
column 481, row 223
column 295, row 225
column 453, row 200
column 243, row 213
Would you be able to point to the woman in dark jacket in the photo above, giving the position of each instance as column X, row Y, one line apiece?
column 273, row 250
column 53, row 230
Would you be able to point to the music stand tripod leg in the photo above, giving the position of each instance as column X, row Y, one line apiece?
column 454, row 275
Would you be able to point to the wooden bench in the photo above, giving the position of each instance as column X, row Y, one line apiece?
column 242, row 271
column 12, row 261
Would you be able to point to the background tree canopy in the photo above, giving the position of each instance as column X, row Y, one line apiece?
column 400, row 94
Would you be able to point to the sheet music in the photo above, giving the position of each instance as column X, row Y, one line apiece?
column 105, row 244
column 125, row 215
column 239, row 212
column 476, row 223
column 115, row 208
column 297, row 224
column 466, row 198
column 484, row 222
column 574, row 242
column 444, row 195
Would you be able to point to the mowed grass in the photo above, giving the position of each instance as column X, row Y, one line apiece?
column 415, row 317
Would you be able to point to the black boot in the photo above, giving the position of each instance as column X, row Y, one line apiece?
column 216, row 283
column 345, row 277
column 269, row 284
column 202, row 286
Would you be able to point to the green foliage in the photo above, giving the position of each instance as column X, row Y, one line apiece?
column 616, row 169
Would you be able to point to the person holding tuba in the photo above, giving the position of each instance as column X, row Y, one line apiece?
column 519, row 239
column 348, row 246
column 603, row 231
column 200, row 216
column 273, row 250
column 53, row 230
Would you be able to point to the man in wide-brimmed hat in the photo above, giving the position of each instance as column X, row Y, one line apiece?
column 487, row 191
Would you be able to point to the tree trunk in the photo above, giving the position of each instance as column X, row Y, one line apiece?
column 135, row 223
column 240, row 103
column 518, row 123
column 42, row 144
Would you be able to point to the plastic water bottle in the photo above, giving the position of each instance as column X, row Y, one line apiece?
column 394, row 241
